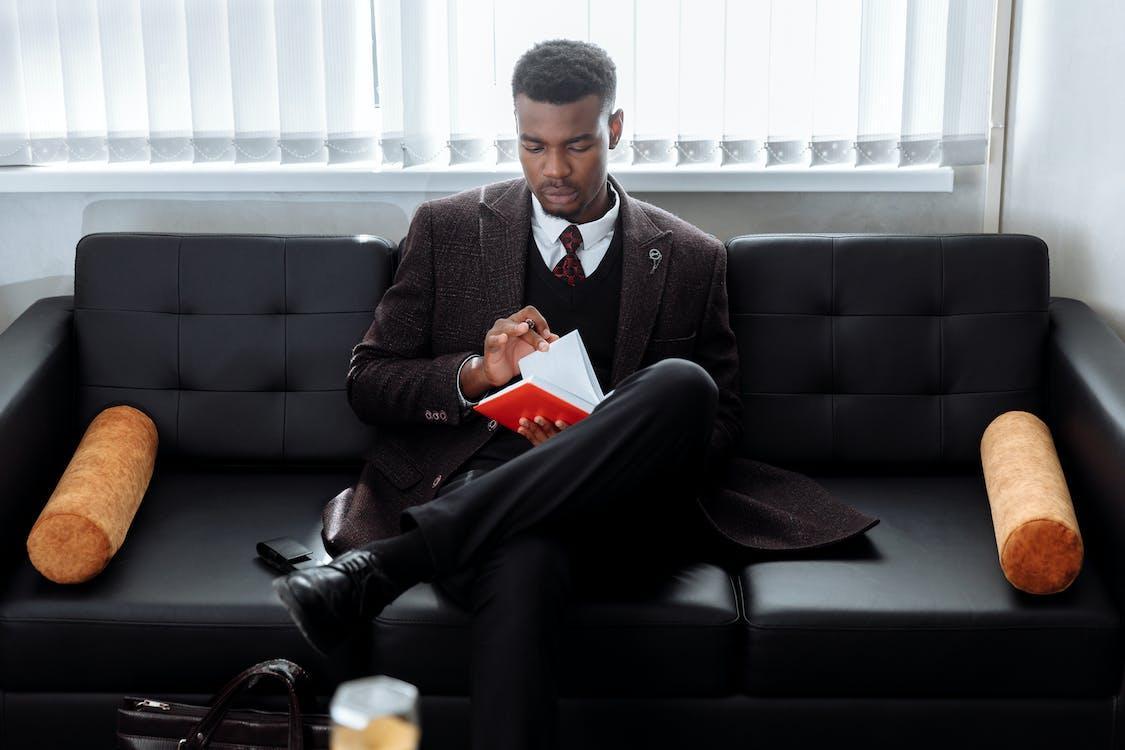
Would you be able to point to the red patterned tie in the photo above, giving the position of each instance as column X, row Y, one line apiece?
column 570, row 268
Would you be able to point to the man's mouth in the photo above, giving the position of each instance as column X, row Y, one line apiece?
column 560, row 196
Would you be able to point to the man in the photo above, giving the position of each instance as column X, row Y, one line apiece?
column 486, row 277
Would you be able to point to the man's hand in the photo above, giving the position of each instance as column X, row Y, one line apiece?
column 509, row 340
column 506, row 342
column 539, row 429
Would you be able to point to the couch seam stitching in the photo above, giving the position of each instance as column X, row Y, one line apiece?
column 941, row 357
column 245, row 390
column 90, row 621
column 592, row 626
column 179, row 319
column 816, row 393
column 284, row 341
column 931, row 628
column 832, row 374
column 759, row 313
column 225, row 314
column 734, row 592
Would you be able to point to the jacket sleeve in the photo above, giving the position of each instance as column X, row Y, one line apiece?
column 717, row 352
column 394, row 377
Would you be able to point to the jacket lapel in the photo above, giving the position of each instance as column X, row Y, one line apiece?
column 642, row 284
column 505, row 222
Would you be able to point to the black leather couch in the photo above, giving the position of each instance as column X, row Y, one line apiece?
column 872, row 363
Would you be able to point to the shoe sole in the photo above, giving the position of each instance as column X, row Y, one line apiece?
column 299, row 612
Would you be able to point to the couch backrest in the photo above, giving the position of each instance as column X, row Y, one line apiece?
column 237, row 345
column 877, row 349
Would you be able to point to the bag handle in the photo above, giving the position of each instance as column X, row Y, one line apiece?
column 297, row 684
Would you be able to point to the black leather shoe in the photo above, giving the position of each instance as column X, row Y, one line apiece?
column 331, row 603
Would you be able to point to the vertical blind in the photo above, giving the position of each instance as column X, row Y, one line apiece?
column 186, row 80
column 860, row 82
column 413, row 82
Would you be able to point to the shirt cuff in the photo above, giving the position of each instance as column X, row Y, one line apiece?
column 466, row 404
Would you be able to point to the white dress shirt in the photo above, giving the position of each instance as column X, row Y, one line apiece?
column 545, row 230
column 596, row 234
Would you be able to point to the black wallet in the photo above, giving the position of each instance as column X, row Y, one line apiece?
column 287, row 554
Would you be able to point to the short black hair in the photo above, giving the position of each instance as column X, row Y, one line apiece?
column 561, row 71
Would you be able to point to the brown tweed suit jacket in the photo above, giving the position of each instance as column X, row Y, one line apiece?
column 461, row 268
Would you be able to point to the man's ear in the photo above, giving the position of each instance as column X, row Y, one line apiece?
column 616, row 125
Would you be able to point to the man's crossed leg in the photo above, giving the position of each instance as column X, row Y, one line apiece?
column 653, row 431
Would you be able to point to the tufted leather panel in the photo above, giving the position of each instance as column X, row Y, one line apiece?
column 676, row 624
column 885, row 350
column 236, row 345
column 185, row 602
column 918, row 607
column 186, row 596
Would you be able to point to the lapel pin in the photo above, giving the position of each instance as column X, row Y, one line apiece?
column 655, row 256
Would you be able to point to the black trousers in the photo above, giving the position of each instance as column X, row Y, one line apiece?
column 514, row 544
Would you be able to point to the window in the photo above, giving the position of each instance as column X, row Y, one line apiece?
column 186, row 80
column 427, row 82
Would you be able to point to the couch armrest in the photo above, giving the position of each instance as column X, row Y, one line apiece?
column 1086, row 390
column 37, row 432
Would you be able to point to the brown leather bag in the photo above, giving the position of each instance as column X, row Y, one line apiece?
column 144, row 724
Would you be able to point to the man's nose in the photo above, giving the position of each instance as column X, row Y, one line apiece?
column 556, row 165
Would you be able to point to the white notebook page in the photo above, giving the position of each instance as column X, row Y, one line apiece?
column 567, row 365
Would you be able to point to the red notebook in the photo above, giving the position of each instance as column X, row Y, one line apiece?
column 556, row 384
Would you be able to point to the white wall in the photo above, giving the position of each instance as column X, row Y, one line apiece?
column 38, row 232
column 1064, row 177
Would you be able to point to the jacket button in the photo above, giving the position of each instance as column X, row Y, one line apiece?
column 436, row 481
column 429, row 414
column 492, row 424
column 442, row 413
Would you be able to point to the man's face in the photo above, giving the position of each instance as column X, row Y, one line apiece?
column 564, row 149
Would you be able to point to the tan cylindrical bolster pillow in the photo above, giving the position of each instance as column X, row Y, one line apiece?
column 86, row 518
column 1037, row 534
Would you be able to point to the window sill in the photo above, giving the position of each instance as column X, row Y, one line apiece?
column 315, row 178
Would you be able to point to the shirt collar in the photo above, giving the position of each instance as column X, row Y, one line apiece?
column 547, row 228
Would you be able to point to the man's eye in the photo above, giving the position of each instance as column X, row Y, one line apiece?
column 580, row 150
column 534, row 149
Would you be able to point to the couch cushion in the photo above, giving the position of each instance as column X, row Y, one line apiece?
column 882, row 349
column 237, row 346
column 185, row 604
column 634, row 632
column 919, row 607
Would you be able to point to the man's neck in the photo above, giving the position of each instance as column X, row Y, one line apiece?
column 604, row 201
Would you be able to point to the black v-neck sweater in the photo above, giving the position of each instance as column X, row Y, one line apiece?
column 591, row 306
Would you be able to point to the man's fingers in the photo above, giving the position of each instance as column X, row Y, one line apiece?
column 531, row 427
column 546, row 426
column 537, row 430
column 494, row 342
column 519, row 329
column 540, row 332
column 503, row 330
column 508, row 326
column 530, row 431
column 536, row 341
column 530, row 311
column 525, row 332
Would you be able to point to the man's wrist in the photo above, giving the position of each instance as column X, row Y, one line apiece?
column 476, row 385
column 466, row 392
